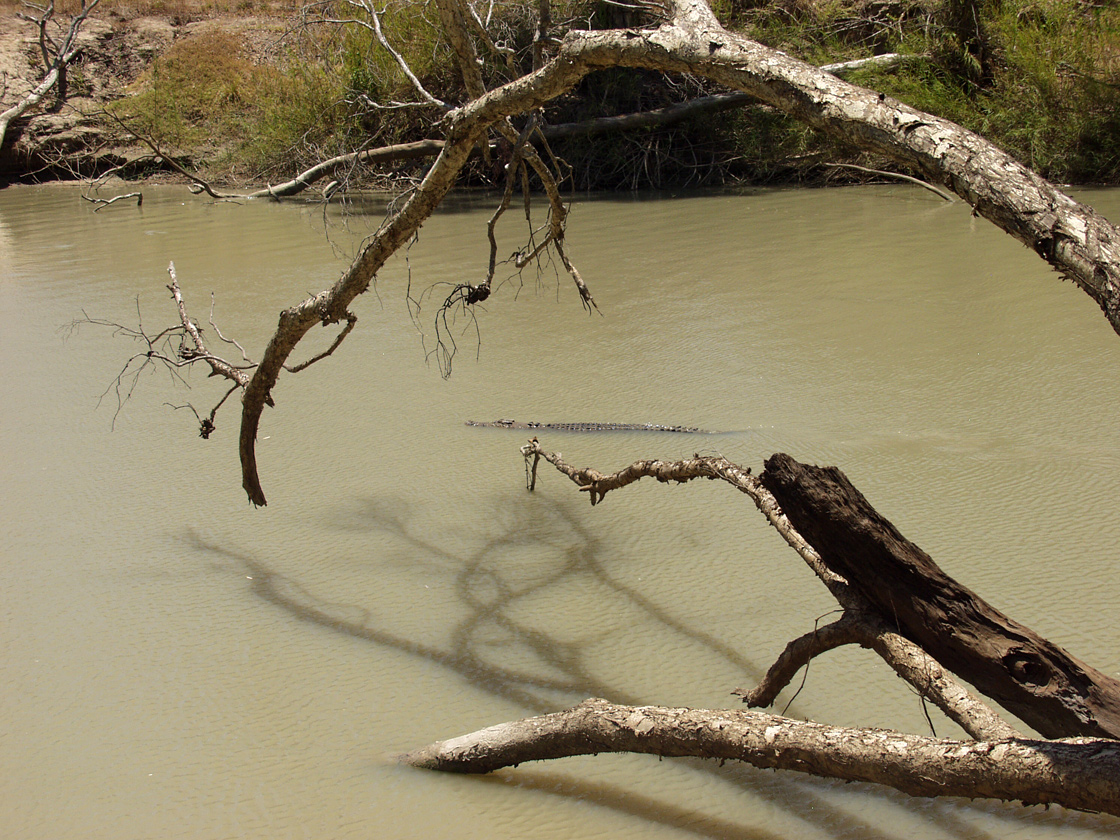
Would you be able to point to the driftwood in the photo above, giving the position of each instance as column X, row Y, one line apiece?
column 1082, row 773
column 896, row 602
column 1033, row 678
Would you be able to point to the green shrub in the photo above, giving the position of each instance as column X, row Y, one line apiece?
column 244, row 119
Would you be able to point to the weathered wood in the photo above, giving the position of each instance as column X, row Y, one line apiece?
column 1079, row 773
column 1031, row 677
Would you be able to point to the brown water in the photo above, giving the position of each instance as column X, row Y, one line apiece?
column 176, row 664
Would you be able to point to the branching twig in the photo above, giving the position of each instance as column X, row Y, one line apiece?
column 351, row 320
column 859, row 624
column 373, row 24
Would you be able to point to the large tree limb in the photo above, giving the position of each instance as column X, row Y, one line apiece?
column 1076, row 773
column 1071, row 237
column 1056, row 693
column 893, row 591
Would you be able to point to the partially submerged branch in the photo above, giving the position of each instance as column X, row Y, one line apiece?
column 1082, row 774
column 1051, row 690
column 102, row 203
column 862, row 622
column 1079, row 773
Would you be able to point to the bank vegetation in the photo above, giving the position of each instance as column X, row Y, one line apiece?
column 254, row 91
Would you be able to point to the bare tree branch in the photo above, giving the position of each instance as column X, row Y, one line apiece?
column 372, row 23
column 102, row 203
column 1079, row 773
column 237, row 374
column 1070, row 236
column 860, row 623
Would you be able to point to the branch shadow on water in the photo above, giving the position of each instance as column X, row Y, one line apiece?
column 492, row 646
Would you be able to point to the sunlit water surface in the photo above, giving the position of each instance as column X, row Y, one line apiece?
column 177, row 664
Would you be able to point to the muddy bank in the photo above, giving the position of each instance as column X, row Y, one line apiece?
column 73, row 138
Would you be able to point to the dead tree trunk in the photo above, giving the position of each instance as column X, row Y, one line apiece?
column 1057, row 694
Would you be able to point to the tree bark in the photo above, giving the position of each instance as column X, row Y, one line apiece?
column 1052, row 691
column 1077, row 773
column 1076, row 241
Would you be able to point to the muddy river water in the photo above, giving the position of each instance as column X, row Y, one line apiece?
column 177, row 664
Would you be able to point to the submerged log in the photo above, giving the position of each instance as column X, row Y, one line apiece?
column 1075, row 773
column 1033, row 678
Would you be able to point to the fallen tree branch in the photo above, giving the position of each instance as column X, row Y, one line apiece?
column 102, row 203
column 1083, row 774
column 862, row 623
column 382, row 154
column 1045, row 686
column 1070, row 236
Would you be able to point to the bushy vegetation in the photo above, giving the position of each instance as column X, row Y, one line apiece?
column 206, row 98
column 1039, row 77
column 1044, row 84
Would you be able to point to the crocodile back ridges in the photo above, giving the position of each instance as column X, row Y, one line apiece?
column 589, row 427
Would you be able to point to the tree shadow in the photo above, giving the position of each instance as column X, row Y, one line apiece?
column 492, row 646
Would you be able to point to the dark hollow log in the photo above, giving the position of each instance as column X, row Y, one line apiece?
column 1050, row 690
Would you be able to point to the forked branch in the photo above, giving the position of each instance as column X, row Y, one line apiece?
column 56, row 56
column 861, row 623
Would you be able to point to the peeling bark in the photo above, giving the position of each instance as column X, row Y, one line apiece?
column 1056, row 693
column 1077, row 773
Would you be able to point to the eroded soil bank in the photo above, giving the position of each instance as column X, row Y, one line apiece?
column 72, row 139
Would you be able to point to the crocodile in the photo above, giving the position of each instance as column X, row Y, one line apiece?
column 589, row 427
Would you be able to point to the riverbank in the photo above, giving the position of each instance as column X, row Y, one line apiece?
column 242, row 94
column 121, row 45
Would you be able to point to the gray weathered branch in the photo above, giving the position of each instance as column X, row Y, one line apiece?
column 56, row 58
column 1076, row 773
column 862, row 623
